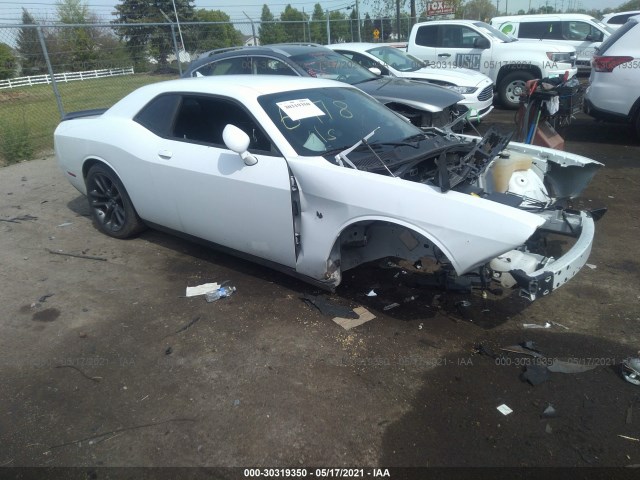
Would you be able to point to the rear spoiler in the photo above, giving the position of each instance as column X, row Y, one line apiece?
column 94, row 112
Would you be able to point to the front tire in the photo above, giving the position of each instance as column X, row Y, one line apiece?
column 110, row 205
column 511, row 86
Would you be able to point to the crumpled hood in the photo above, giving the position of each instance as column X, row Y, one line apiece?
column 463, row 77
column 417, row 94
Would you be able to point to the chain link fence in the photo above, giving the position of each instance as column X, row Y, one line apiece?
column 49, row 70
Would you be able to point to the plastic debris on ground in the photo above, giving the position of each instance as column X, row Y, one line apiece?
column 535, row 325
column 327, row 307
column 560, row 366
column 549, row 412
column 390, row 306
column 202, row 289
column 504, row 409
column 363, row 314
column 372, row 293
column 522, row 350
column 591, row 266
column 221, row 292
column 535, row 374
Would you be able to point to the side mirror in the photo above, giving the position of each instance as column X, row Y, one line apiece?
column 481, row 43
column 238, row 141
column 375, row 70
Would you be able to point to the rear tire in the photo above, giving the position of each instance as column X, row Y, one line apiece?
column 110, row 205
column 511, row 86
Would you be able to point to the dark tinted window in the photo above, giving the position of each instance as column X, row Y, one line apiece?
column 541, row 30
column 427, row 36
column 226, row 66
column 620, row 19
column 158, row 114
column 201, row 119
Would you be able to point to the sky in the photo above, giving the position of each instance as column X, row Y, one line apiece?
column 11, row 10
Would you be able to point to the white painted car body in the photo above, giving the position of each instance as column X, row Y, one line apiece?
column 475, row 87
column 298, row 210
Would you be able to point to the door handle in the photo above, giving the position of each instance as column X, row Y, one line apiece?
column 444, row 54
column 166, row 154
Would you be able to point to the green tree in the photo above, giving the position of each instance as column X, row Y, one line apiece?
column 32, row 60
column 271, row 30
column 630, row 5
column 318, row 25
column 214, row 35
column 293, row 23
column 367, row 29
column 479, row 10
column 7, row 62
column 154, row 41
column 73, row 48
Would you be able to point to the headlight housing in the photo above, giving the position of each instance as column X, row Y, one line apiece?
column 561, row 57
column 462, row 90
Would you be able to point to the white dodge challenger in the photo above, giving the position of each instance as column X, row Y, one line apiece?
column 314, row 177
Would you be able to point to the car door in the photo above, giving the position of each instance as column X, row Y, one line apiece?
column 456, row 46
column 207, row 191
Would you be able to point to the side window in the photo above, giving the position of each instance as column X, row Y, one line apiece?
column 271, row 66
column 156, row 116
column 201, row 119
column 226, row 66
column 469, row 37
column 541, row 30
column 427, row 36
column 577, row 31
column 620, row 19
column 366, row 62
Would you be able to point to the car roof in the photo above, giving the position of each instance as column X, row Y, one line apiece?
column 542, row 16
column 279, row 49
column 357, row 46
column 607, row 16
column 246, row 87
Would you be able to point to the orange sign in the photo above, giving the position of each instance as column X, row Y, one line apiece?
column 376, row 34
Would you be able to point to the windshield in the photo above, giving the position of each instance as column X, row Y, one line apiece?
column 331, row 65
column 604, row 26
column 397, row 59
column 493, row 32
column 322, row 120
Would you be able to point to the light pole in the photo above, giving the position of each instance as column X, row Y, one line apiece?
column 328, row 22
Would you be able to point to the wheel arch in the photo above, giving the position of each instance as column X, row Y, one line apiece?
column 506, row 70
column 365, row 239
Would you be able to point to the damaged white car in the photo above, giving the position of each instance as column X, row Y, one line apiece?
column 314, row 177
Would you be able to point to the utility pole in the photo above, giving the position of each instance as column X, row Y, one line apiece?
column 358, row 18
column 253, row 29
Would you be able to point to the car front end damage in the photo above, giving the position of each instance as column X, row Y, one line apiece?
column 542, row 182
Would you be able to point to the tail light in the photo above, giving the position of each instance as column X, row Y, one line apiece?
column 608, row 63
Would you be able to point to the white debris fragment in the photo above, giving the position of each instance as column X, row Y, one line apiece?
column 504, row 409
column 372, row 293
column 202, row 289
column 535, row 325
column 591, row 266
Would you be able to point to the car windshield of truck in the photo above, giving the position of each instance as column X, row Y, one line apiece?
column 494, row 32
column 318, row 121
column 331, row 65
column 397, row 59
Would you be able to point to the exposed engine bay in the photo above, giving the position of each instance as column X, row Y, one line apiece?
column 537, row 180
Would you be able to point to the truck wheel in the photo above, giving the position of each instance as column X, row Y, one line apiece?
column 511, row 86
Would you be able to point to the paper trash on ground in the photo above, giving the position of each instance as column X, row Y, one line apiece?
column 202, row 289
column 364, row 316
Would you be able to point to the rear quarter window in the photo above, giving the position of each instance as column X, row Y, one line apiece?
column 157, row 115
column 427, row 36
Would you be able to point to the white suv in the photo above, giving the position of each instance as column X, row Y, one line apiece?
column 617, row 19
column 614, row 86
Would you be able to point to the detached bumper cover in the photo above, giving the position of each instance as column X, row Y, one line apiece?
column 555, row 274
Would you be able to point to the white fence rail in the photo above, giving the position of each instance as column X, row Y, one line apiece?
column 64, row 77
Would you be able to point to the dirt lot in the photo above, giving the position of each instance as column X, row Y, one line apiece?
column 104, row 363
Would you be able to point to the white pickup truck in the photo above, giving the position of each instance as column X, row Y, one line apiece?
column 479, row 46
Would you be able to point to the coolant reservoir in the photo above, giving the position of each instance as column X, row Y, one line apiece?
column 503, row 168
column 512, row 260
